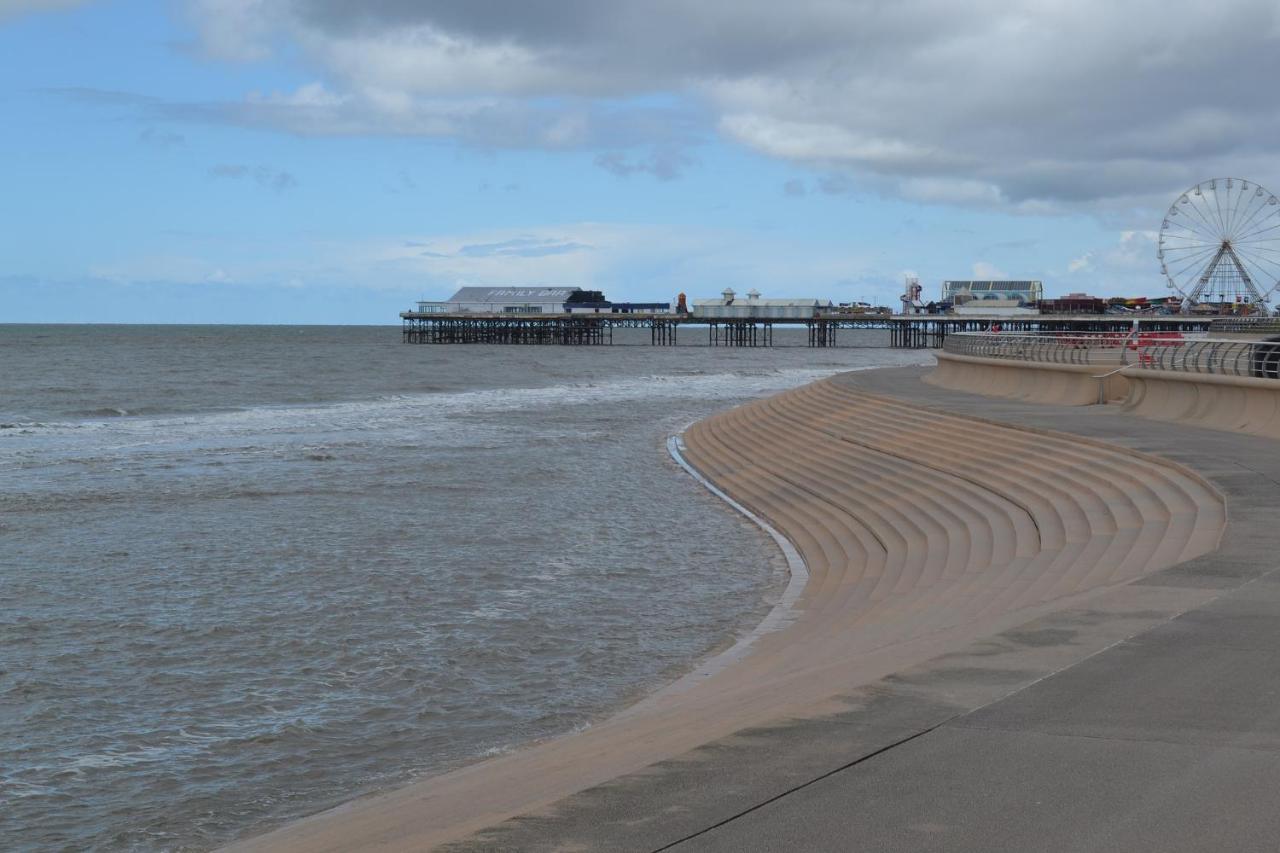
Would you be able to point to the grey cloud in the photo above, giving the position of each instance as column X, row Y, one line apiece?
column 794, row 188
column 1039, row 107
column 264, row 176
column 14, row 8
column 493, row 123
column 665, row 164
column 227, row 170
column 100, row 97
column 161, row 138
column 1009, row 244
column 837, row 184
column 639, row 45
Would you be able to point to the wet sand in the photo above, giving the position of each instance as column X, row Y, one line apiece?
column 920, row 531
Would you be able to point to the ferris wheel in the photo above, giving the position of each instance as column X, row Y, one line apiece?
column 1220, row 243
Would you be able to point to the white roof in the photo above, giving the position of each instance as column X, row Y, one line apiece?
column 770, row 303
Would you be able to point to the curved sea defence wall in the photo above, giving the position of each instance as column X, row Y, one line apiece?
column 921, row 532
column 1234, row 403
column 1244, row 404
column 1057, row 384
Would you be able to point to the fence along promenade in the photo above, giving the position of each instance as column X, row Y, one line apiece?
column 1168, row 351
column 1219, row 383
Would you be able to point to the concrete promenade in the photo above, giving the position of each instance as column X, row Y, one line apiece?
column 1146, row 718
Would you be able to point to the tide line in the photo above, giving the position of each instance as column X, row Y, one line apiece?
column 779, row 616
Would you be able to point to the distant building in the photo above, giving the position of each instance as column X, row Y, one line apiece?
column 593, row 302
column 729, row 306
column 502, row 300
column 586, row 302
column 993, row 297
column 1073, row 303
column 1023, row 292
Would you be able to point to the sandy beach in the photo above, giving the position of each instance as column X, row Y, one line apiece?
column 921, row 531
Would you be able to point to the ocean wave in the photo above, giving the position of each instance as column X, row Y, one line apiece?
column 379, row 412
column 104, row 412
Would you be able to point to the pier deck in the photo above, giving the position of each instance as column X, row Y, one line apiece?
column 905, row 331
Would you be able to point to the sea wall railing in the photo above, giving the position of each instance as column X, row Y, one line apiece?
column 1168, row 351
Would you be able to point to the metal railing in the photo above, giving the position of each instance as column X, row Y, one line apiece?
column 1168, row 351
column 1246, row 325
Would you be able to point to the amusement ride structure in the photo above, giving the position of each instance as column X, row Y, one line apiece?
column 1220, row 244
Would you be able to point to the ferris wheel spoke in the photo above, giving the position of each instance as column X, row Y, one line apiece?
column 1239, row 207
column 1223, row 211
column 1260, row 260
column 1182, row 258
column 1191, row 270
column 1209, row 231
column 1263, row 208
column 1258, row 235
column 1204, row 252
column 1268, row 246
column 1200, row 264
column 1264, row 227
column 1180, row 232
column 1255, row 204
column 1189, row 239
column 1267, row 265
column 1270, row 218
column 1193, row 249
column 1247, row 222
column 1261, row 277
column 1217, row 203
column 1229, row 210
column 1224, row 201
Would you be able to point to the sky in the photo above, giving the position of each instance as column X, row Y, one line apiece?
column 325, row 161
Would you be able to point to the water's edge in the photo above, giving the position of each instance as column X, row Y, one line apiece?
column 779, row 616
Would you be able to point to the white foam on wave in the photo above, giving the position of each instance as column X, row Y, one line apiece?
column 415, row 419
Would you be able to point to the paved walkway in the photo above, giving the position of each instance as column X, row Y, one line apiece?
column 1147, row 720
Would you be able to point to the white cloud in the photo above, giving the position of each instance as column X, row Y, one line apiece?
column 984, row 271
column 1126, row 266
column 1084, row 263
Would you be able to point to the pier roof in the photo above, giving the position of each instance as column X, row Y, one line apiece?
column 490, row 294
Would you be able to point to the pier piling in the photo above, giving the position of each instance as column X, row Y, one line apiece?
column 904, row 332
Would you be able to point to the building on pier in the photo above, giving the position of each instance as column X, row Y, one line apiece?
column 536, row 300
column 730, row 307
column 593, row 302
column 502, row 300
column 993, row 297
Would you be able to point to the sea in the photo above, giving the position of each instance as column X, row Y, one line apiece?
column 248, row 573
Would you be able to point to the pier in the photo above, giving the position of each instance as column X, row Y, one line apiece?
column 924, row 331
